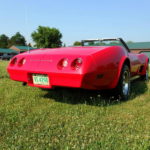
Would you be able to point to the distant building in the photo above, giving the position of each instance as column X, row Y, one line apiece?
column 21, row 49
column 140, row 47
column 7, row 51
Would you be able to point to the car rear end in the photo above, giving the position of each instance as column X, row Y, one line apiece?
column 51, row 70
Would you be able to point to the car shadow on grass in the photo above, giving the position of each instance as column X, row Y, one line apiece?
column 138, row 87
column 94, row 97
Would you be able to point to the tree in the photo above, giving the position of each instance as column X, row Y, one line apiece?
column 46, row 37
column 128, row 42
column 17, row 39
column 4, row 41
column 77, row 43
column 29, row 45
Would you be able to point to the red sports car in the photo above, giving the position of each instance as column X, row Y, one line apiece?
column 97, row 64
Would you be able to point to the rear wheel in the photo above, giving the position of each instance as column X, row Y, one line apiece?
column 123, row 87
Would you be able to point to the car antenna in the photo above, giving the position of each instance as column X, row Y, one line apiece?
column 26, row 23
column 28, row 49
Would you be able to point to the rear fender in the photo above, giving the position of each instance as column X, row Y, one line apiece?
column 121, row 63
column 147, row 62
column 145, row 67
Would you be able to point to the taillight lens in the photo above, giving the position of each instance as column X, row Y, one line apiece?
column 76, row 64
column 21, row 62
column 13, row 61
column 63, row 63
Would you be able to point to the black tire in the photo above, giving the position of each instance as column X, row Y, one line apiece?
column 123, row 87
column 145, row 77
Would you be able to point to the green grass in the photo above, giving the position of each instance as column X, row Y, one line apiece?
column 64, row 119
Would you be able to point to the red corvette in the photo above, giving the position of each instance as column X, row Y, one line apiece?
column 97, row 64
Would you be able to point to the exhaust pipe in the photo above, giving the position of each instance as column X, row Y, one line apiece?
column 24, row 83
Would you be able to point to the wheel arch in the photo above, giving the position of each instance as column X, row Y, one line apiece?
column 127, row 62
column 123, row 61
column 147, row 61
column 145, row 66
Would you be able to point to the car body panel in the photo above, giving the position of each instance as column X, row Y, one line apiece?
column 101, row 66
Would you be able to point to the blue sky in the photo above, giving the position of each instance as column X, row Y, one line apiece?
column 78, row 19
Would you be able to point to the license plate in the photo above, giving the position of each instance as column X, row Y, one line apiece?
column 40, row 79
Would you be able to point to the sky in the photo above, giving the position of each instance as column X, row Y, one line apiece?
column 78, row 19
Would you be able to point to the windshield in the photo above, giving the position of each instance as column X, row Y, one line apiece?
column 106, row 42
column 102, row 43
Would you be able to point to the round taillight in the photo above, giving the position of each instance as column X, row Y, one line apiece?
column 21, row 62
column 63, row 63
column 76, row 64
column 13, row 61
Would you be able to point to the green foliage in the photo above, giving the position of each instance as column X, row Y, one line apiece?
column 77, row 43
column 29, row 45
column 66, row 119
column 4, row 41
column 17, row 39
column 64, row 45
column 128, row 42
column 46, row 37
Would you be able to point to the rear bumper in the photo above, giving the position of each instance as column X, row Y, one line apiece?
column 61, row 79
column 55, row 79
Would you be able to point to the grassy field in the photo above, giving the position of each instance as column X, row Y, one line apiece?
column 64, row 119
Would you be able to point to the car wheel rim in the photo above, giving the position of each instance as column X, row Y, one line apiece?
column 126, row 83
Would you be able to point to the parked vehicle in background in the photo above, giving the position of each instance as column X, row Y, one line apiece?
column 97, row 65
column 6, row 56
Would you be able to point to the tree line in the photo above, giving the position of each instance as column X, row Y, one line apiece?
column 17, row 39
column 44, row 37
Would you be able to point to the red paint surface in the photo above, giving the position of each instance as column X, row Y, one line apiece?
column 100, row 69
